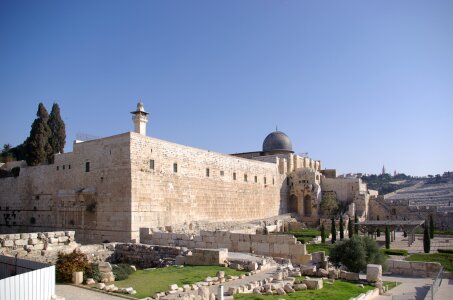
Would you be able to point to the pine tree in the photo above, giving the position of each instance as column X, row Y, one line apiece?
column 341, row 228
column 350, row 228
column 333, row 231
column 387, row 237
column 323, row 234
column 431, row 226
column 356, row 221
column 37, row 146
column 58, row 132
column 426, row 240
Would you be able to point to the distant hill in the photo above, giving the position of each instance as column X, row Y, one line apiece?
column 386, row 183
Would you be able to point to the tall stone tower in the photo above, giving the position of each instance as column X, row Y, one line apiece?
column 140, row 119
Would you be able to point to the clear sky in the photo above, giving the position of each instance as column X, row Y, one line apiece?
column 356, row 84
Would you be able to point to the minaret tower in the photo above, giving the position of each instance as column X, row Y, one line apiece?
column 140, row 119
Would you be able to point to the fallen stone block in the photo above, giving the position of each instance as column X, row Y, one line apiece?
column 300, row 286
column 288, row 288
column 313, row 283
column 373, row 273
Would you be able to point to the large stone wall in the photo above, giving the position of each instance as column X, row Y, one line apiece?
column 283, row 245
column 413, row 268
column 161, row 196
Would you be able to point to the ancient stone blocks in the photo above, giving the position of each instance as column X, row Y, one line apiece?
column 373, row 273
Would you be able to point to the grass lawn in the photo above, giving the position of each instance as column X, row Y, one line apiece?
column 445, row 259
column 319, row 247
column 339, row 290
column 305, row 235
column 149, row 282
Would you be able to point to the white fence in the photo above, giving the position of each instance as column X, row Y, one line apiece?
column 22, row 279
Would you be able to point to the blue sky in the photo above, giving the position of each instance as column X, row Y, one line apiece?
column 356, row 84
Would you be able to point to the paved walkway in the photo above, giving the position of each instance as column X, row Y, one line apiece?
column 70, row 292
column 410, row 288
column 445, row 291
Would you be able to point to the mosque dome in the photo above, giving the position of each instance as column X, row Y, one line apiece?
column 277, row 141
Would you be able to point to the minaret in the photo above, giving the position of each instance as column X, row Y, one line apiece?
column 140, row 119
column 383, row 169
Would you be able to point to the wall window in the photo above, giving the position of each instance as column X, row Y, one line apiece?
column 69, row 167
column 256, row 179
column 58, row 168
column 175, row 168
column 234, row 176
column 64, row 167
column 151, row 164
column 245, row 177
column 87, row 166
column 207, row 172
column 265, row 180
column 222, row 173
column 273, row 181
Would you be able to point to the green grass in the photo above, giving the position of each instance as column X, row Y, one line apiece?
column 443, row 232
column 305, row 235
column 149, row 282
column 400, row 252
column 319, row 247
column 445, row 259
column 339, row 290
column 391, row 284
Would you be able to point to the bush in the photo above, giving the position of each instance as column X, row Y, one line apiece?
column 356, row 252
column 122, row 271
column 92, row 271
column 399, row 252
column 449, row 251
column 69, row 263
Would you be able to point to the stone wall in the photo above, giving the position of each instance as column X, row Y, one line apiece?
column 285, row 246
column 145, row 256
column 184, row 184
column 413, row 268
column 37, row 246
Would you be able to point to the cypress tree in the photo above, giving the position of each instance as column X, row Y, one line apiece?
column 431, row 226
column 37, row 146
column 426, row 240
column 378, row 232
column 341, row 228
column 387, row 237
column 356, row 221
column 323, row 234
column 350, row 229
column 333, row 231
column 57, row 138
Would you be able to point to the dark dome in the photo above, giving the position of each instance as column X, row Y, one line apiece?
column 277, row 141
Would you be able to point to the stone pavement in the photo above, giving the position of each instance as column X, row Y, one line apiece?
column 410, row 288
column 70, row 292
column 445, row 291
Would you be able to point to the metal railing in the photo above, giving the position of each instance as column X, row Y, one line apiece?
column 435, row 286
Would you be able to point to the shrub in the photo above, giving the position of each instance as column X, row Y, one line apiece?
column 449, row 251
column 69, row 263
column 92, row 271
column 399, row 252
column 122, row 271
column 355, row 253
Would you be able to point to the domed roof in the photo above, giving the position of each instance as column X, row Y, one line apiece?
column 277, row 141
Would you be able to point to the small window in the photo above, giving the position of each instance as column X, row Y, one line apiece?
column 273, row 181
column 69, row 167
column 245, row 177
column 58, row 168
column 234, row 176
column 256, row 179
column 151, row 164
column 64, row 167
column 175, row 168
column 207, row 172
column 222, row 173
column 87, row 166
column 265, row 180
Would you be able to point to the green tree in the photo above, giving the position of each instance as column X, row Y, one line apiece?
column 355, row 253
column 329, row 203
column 341, row 228
column 333, row 231
column 356, row 222
column 426, row 240
column 37, row 146
column 431, row 226
column 350, row 229
column 323, row 234
column 378, row 232
column 387, row 237
column 57, row 138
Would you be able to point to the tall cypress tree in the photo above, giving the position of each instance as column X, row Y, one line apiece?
column 431, row 226
column 333, row 231
column 341, row 228
column 356, row 221
column 426, row 240
column 323, row 234
column 37, row 146
column 58, row 132
column 387, row 237
column 350, row 228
